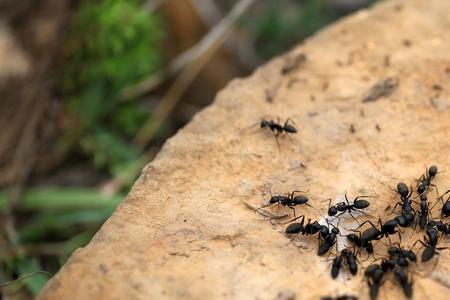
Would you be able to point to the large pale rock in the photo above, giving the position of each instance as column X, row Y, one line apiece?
column 184, row 232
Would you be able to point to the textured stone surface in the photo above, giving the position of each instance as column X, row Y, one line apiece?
column 184, row 232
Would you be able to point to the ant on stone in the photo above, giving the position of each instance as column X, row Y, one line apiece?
column 440, row 226
column 406, row 218
column 359, row 243
column 329, row 239
column 299, row 227
column 404, row 281
column 374, row 274
column 373, row 233
column 279, row 128
column 347, row 256
column 346, row 206
column 430, row 243
column 401, row 255
column 424, row 213
column 425, row 180
column 288, row 201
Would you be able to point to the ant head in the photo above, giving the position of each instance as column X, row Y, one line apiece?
column 393, row 250
column 432, row 171
column 352, row 237
column 274, row 199
column 332, row 211
column 402, row 189
column 264, row 123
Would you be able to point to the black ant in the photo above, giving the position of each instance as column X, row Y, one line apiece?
column 445, row 211
column 346, row 206
column 359, row 243
column 278, row 128
column 425, row 180
column 400, row 253
column 424, row 212
column 440, row 226
column 337, row 265
column 406, row 218
column 373, row 233
column 329, row 239
column 288, row 201
column 397, row 257
column 430, row 243
column 404, row 281
column 405, row 194
column 374, row 274
column 349, row 257
column 299, row 227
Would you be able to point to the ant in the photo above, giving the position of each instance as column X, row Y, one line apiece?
column 351, row 260
column 397, row 257
column 407, row 215
column 299, row 227
column 440, row 226
column 445, row 211
column 288, row 201
column 406, row 284
column 430, row 243
column 278, row 128
column 398, row 252
column 425, row 180
column 424, row 213
column 405, row 194
column 329, row 239
column 374, row 274
column 373, row 233
column 359, row 243
column 337, row 265
column 346, row 206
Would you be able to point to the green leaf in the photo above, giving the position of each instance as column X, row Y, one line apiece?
column 33, row 283
column 63, row 198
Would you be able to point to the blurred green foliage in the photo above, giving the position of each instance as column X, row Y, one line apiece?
column 111, row 44
column 280, row 25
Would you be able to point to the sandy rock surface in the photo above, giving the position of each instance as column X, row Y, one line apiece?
column 372, row 105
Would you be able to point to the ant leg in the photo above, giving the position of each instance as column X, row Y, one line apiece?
column 437, row 191
column 395, row 206
column 302, row 216
column 293, row 209
column 353, row 217
column 346, row 199
column 257, row 210
column 364, row 213
column 367, row 221
column 365, row 196
column 299, row 191
column 419, row 241
column 287, row 120
column 399, row 237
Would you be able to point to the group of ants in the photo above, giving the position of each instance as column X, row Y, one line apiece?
column 397, row 259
